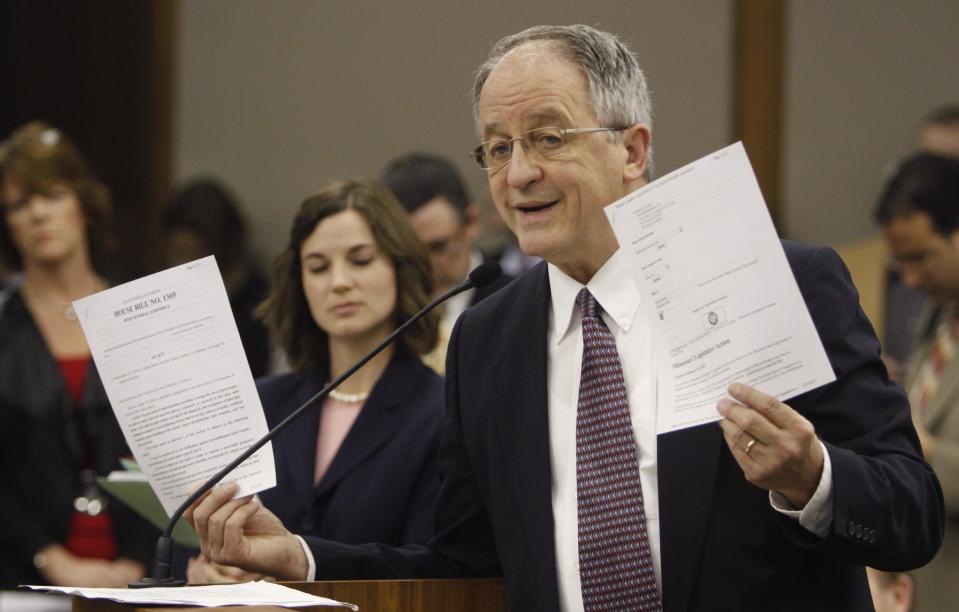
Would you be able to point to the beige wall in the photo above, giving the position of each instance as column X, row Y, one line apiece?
column 276, row 97
column 859, row 76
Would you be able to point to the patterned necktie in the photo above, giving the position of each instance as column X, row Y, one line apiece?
column 616, row 567
column 940, row 354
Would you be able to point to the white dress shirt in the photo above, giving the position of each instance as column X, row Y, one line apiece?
column 614, row 289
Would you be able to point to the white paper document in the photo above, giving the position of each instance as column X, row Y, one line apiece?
column 715, row 281
column 170, row 357
column 247, row 594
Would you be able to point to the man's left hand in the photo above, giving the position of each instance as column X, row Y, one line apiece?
column 775, row 446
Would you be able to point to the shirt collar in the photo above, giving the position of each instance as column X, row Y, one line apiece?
column 612, row 286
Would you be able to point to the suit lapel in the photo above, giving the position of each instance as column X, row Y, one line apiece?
column 375, row 423
column 519, row 403
column 686, row 465
column 297, row 450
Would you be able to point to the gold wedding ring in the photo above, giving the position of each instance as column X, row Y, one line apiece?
column 749, row 446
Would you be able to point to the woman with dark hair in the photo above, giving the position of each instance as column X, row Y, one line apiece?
column 360, row 467
column 204, row 219
column 58, row 429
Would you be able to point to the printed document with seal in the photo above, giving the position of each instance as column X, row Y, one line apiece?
column 714, row 281
column 171, row 361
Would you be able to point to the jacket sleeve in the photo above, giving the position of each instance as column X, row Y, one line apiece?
column 421, row 507
column 887, row 502
column 23, row 535
column 24, row 531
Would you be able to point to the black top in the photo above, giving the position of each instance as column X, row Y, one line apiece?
column 42, row 451
column 382, row 483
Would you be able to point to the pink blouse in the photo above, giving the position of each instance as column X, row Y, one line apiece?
column 336, row 419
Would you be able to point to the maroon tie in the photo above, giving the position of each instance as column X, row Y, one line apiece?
column 616, row 567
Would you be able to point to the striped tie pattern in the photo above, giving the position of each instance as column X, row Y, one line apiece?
column 616, row 567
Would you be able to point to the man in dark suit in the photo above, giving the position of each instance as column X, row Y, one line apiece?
column 448, row 222
column 553, row 475
column 444, row 217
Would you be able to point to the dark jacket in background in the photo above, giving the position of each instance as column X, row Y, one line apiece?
column 383, row 482
column 42, row 452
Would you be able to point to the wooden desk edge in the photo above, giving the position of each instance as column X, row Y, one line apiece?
column 432, row 595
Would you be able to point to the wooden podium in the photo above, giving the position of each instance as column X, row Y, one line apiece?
column 479, row 595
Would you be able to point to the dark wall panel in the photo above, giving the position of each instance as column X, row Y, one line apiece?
column 90, row 68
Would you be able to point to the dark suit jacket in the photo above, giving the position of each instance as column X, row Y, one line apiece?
column 383, row 482
column 723, row 546
column 41, row 450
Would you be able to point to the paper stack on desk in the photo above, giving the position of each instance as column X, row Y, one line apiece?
column 246, row 594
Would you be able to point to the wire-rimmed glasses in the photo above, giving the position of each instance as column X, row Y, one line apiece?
column 544, row 142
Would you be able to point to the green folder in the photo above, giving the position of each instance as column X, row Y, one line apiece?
column 131, row 487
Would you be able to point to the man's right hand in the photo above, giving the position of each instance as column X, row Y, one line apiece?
column 242, row 533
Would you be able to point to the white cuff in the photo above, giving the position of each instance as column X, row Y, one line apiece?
column 311, row 572
column 817, row 515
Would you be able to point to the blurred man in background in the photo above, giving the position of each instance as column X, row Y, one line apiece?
column 919, row 214
column 891, row 591
column 939, row 130
column 448, row 222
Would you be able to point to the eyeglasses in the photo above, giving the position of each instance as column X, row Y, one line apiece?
column 445, row 246
column 915, row 262
column 545, row 142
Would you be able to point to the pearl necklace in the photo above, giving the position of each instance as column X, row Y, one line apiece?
column 349, row 398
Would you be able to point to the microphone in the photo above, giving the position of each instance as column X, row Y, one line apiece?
column 481, row 276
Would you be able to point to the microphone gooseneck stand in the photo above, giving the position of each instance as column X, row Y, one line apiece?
column 482, row 275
